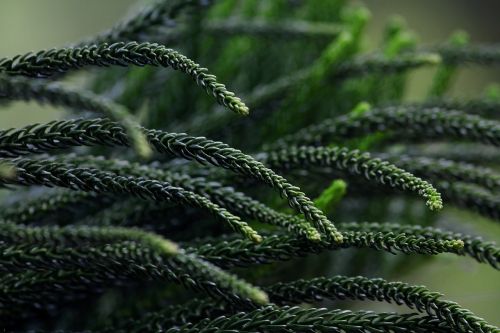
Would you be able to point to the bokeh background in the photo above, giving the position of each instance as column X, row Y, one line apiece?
column 32, row 25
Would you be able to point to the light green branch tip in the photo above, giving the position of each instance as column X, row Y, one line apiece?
column 327, row 200
column 168, row 246
column 356, row 17
column 7, row 171
column 430, row 58
column 434, row 201
column 260, row 297
column 161, row 244
column 251, row 234
column 338, row 237
column 138, row 140
column 459, row 38
column 457, row 244
column 313, row 234
column 360, row 109
column 492, row 92
column 142, row 147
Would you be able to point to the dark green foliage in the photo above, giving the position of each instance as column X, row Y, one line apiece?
column 341, row 287
column 100, row 252
column 338, row 287
column 33, row 172
column 356, row 163
column 233, row 252
column 48, row 63
column 155, row 16
column 451, row 171
column 297, row 319
column 473, row 197
column 405, row 122
column 40, row 138
column 286, row 318
column 23, row 89
column 35, row 209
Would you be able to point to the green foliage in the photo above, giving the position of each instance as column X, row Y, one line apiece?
column 124, row 244
column 331, row 196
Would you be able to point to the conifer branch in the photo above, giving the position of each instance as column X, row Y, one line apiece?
column 428, row 123
column 316, row 289
column 379, row 64
column 318, row 320
column 236, row 202
column 361, row 288
column 44, row 274
column 82, row 235
column 272, row 30
column 331, row 196
column 481, row 107
column 19, row 88
column 355, row 163
column 47, row 173
column 40, row 138
column 446, row 71
column 160, row 13
column 98, row 243
column 471, row 197
column 34, row 209
column 289, row 319
column 441, row 169
column 475, row 247
column 278, row 88
column 479, row 54
column 47, row 63
column 232, row 252
column 466, row 153
column 90, row 259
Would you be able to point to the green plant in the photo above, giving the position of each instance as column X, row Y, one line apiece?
column 121, row 223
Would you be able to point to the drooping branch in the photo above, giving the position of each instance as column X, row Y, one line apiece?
column 427, row 123
column 355, row 163
column 19, row 88
column 441, row 169
column 41, row 138
column 159, row 14
column 225, row 196
column 320, row 320
column 230, row 252
column 47, row 173
column 103, row 250
column 361, row 288
column 47, row 63
column 474, row 247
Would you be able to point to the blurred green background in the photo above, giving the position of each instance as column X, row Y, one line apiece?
column 32, row 25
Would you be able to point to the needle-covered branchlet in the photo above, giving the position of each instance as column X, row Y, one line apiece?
column 159, row 14
column 475, row 247
column 318, row 320
column 47, row 63
column 355, row 163
column 225, row 196
column 97, row 252
column 35, row 172
column 42, row 138
column 471, row 197
column 442, row 169
column 403, row 122
column 102, row 254
column 19, row 88
column 230, row 252
column 361, row 288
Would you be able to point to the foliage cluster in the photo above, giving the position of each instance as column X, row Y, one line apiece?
column 186, row 232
